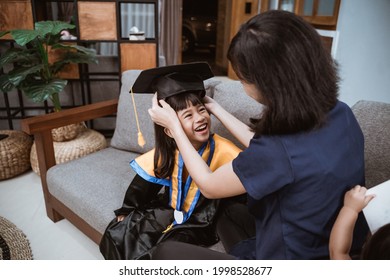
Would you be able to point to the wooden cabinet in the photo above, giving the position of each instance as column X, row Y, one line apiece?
column 241, row 11
column 321, row 13
column 97, row 20
column 8, row 20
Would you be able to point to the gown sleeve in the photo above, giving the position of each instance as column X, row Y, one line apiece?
column 139, row 195
column 147, row 214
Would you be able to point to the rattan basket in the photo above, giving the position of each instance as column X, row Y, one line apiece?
column 14, row 153
column 88, row 141
column 68, row 132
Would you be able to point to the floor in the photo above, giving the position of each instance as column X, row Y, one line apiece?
column 21, row 202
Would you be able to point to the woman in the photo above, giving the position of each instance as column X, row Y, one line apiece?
column 303, row 152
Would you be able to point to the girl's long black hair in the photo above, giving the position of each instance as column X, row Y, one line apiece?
column 165, row 146
column 378, row 246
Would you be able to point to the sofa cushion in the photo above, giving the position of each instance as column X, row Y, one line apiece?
column 374, row 120
column 126, row 133
column 232, row 97
column 93, row 186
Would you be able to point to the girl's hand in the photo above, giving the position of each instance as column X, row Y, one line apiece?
column 356, row 198
column 120, row 218
column 163, row 115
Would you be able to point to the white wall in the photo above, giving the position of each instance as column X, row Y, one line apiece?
column 363, row 50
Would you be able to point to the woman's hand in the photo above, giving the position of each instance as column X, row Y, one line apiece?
column 210, row 104
column 163, row 115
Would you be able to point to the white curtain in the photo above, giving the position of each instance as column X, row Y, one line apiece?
column 106, row 49
column 170, row 30
column 139, row 15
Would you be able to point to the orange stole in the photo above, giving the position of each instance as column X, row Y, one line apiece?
column 224, row 151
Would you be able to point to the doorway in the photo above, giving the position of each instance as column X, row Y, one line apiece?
column 199, row 33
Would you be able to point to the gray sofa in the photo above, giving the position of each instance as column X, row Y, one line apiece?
column 87, row 190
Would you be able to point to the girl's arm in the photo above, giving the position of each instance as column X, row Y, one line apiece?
column 236, row 127
column 223, row 182
column 342, row 232
column 139, row 193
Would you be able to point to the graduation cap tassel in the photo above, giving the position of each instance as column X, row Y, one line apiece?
column 141, row 140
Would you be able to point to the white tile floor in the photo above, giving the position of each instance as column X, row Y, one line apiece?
column 21, row 202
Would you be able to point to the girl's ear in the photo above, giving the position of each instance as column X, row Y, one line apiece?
column 168, row 132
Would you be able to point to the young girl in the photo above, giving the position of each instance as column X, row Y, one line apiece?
column 163, row 202
column 377, row 246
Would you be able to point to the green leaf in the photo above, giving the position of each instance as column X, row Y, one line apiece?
column 32, row 73
column 91, row 52
column 2, row 33
column 5, row 84
column 17, row 76
column 72, row 58
column 24, row 36
column 52, row 27
column 41, row 91
column 20, row 56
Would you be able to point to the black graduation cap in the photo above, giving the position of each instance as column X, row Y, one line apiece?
column 174, row 79
column 168, row 81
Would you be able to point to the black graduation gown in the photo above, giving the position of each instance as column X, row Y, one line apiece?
column 149, row 214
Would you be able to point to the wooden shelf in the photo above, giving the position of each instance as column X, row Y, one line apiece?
column 97, row 20
column 138, row 56
column 8, row 18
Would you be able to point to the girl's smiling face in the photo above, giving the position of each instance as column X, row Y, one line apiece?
column 195, row 121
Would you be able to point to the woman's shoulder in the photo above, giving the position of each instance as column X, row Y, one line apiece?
column 341, row 106
column 342, row 115
column 273, row 145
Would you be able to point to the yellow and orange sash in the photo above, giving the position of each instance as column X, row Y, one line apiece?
column 184, row 195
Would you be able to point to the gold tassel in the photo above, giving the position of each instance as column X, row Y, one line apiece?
column 168, row 228
column 141, row 140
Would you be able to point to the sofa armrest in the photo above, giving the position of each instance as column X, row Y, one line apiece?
column 40, row 127
column 49, row 121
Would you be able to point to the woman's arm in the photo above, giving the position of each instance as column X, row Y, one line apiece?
column 236, row 127
column 342, row 232
column 223, row 182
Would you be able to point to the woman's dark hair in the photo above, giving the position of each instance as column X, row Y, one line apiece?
column 165, row 146
column 378, row 246
column 284, row 58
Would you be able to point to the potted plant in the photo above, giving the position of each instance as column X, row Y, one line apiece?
column 34, row 72
column 37, row 59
